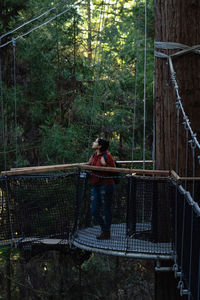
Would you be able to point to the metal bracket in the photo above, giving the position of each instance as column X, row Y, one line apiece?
column 184, row 292
column 158, row 268
column 181, row 287
column 83, row 175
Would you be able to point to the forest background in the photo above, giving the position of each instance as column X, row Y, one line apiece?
column 78, row 77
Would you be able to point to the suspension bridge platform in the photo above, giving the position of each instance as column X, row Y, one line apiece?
column 54, row 209
column 153, row 216
column 121, row 245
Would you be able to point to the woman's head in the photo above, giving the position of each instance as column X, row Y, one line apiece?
column 100, row 144
column 104, row 144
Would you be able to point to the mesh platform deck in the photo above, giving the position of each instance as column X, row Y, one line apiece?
column 120, row 244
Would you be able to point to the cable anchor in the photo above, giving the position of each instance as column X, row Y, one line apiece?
column 175, row 269
column 192, row 142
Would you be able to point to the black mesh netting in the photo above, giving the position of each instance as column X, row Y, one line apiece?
column 149, row 216
column 187, row 242
column 141, row 212
column 58, row 205
column 37, row 206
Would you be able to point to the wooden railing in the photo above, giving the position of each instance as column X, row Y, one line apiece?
column 64, row 167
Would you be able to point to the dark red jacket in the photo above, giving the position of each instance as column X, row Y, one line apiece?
column 96, row 161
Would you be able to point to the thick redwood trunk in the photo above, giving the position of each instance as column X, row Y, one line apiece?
column 176, row 21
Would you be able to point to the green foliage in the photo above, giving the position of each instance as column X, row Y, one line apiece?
column 66, row 96
column 76, row 80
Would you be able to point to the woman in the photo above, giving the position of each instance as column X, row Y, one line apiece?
column 103, row 187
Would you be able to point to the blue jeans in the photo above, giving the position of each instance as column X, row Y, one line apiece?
column 101, row 198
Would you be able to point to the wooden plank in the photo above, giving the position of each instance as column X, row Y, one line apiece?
column 180, row 179
column 48, row 167
column 127, row 162
column 190, row 178
column 40, row 169
column 127, row 171
column 43, row 169
column 175, row 176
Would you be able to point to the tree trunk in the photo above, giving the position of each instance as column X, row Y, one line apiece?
column 175, row 21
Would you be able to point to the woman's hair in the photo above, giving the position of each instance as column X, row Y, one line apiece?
column 103, row 143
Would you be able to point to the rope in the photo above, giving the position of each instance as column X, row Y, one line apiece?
column 193, row 146
column 9, row 214
column 187, row 49
column 168, row 107
column 177, row 135
column 96, row 58
column 154, row 135
column 145, row 64
column 186, row 154
column 176, row 223
column 106, row 83
column 172, row 46
column 46, row 22
column 182, row 239
column 2, row 113
column 135, row 88
column 198, row 296
column 15, row 96
column 32, row 20
column 191, row 247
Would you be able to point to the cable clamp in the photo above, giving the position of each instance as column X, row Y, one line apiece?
column 173, row 77
column 187, row 121
column 178, row 274
column 14, row 42
column 178, row 105
column 192, row 144
column 175, row 269
column 183, row 291
column 180, row 285
column 185, row 125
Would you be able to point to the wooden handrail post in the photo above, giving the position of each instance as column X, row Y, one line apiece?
column 176, row 177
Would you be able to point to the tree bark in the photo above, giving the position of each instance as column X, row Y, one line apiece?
column 176, row 21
